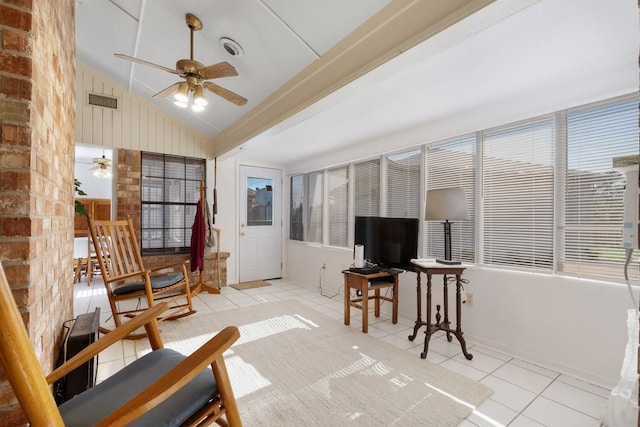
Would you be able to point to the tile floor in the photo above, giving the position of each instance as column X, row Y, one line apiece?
column 524, row 394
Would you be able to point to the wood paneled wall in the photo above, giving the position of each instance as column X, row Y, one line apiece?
column 135, row 125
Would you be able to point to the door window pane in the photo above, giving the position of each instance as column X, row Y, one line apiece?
column 259, row 201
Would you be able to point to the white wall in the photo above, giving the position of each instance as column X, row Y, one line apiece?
column 574, row 326
column 226, row 220
column 96, row 188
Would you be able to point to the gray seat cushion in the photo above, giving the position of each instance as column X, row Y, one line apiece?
column 157, row 282
column 97, row 402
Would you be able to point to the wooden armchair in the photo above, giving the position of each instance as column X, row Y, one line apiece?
column 161, row 388
column 126, row 278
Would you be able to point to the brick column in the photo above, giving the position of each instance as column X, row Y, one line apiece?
column 37, row 122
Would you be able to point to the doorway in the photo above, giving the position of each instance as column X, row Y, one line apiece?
column 260, row 223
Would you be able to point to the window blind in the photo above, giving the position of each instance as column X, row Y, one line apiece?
column 594, row 189
column 338, row 193
column 367, row 188
column 314, row 207
column 403, row 185
column 170, row 190
column 296, row 209
column 518, row 196
column 452, row 164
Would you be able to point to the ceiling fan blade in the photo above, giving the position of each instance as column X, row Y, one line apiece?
column 101, row 160
column 168, row 91
column 143, row 62
column 225, row 93
column 221, row 69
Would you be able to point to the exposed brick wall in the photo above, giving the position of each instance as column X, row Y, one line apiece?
column 37, row 116
column 128, row 203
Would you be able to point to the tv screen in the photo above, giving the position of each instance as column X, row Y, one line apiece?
column 388, row 242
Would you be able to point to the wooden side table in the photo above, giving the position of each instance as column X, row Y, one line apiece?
column 430, row 268
column 365, row 283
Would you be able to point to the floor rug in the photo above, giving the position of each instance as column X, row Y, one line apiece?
column 294, row 366
column 250, row 285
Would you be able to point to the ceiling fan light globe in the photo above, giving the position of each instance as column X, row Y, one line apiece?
column 181, row 104
column 179, row 97
column 200, row 100
column 182, row 94
column 102, row 173
column 197, row 108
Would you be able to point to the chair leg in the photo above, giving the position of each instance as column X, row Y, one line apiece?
column 78, row 271
column 223, row 382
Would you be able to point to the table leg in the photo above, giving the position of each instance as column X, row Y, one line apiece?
column 446, row 307
column 427, row 334
column 347, row 300
column 458, row 332
column 377, row 302
column 419, row 319
column 364, row 285
column 394, row 304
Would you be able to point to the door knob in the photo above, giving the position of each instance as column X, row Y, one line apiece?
column 242, row 233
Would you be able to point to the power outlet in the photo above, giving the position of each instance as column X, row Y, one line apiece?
column 469, row 300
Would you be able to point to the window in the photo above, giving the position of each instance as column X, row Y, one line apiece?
column 338, row 205
column 593, row 215
column 296, row 209
column 544, row 194
column 367, row 188
column 452, row 164
column 170, row 191
column 403, row 185
column 314, row 203
column 305, row 216
column 518, row 196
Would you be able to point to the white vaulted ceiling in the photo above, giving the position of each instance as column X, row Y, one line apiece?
column 510, row 60
column 278, row 39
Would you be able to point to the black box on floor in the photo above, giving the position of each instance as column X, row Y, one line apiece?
column 84, row 331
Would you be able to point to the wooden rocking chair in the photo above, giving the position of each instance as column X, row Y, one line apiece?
column 161, row 388
column 126, row 278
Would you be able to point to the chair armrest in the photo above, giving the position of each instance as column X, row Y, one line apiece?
column 208, row 354
column 148, row 319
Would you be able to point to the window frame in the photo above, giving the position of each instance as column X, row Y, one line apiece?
column 186, row 203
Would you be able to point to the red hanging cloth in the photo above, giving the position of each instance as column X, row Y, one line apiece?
column 198, row 231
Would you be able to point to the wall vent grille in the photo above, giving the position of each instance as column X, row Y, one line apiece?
column 103, row 101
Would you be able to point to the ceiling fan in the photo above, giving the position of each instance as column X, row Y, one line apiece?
column 195, row 76
column 100, row 168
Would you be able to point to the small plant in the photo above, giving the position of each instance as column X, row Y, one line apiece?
column 80, row 208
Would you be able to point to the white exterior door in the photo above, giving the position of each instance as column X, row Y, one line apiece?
column 260, row 223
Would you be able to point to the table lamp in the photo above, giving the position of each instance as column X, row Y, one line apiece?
column 446, row 204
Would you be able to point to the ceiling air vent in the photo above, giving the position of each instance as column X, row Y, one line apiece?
column 103, row 101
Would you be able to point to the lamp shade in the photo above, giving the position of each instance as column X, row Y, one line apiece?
column 446, row 204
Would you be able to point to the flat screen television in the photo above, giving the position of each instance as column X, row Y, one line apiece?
column 388, row 242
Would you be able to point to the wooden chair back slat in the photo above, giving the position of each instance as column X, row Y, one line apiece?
column 117, row 246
